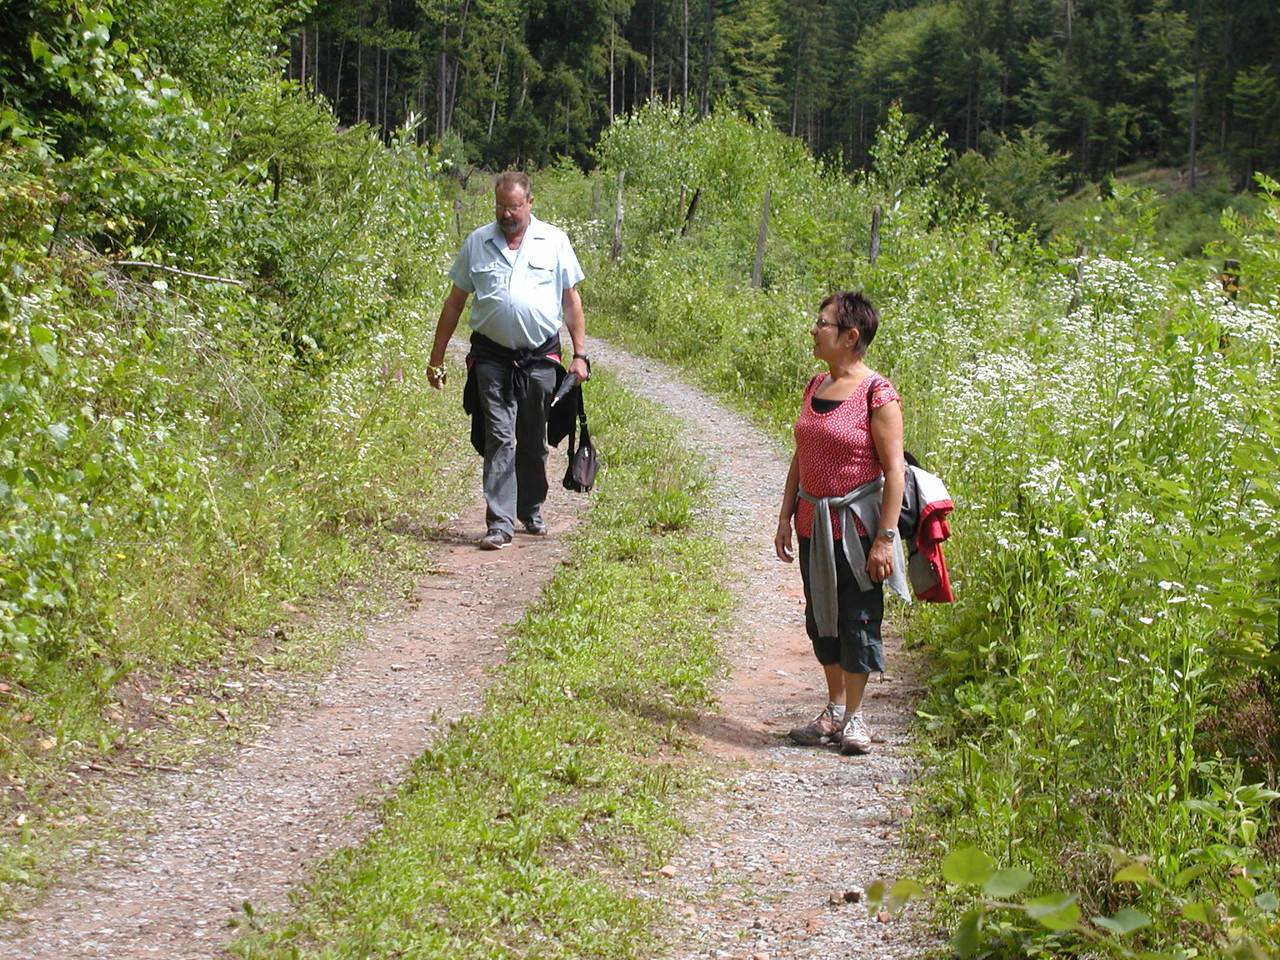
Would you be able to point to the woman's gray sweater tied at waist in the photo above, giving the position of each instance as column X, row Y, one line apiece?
column 862, row 502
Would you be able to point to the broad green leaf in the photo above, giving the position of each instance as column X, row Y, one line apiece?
column 1135, row 872
column 968, row 935
column 42, row 339
column 969, row 865
column 1246, row 886
column 1267, row 901
column 1186, row 876
column 875, row 895
column 60, row 433
column 1124, row 922
column 1057, row 911
column 1201, row 911
column 1007, row 882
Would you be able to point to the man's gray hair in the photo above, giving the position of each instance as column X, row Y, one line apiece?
column 512, row 179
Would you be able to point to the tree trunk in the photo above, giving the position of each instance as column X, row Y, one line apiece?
column 1195, row 97
column 497, row 81
column 1069, row 8
column 653, row 50
column 757, row 270
column 616, row 252
column 457, row 65
column 873, row 251
column 684, row 82
column 337, row 78
column 795, row 86
column 704, row 85
column 442, row 92
column 386, row 97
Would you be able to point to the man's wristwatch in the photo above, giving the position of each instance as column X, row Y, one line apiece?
column 889, row 533
column 585, row 359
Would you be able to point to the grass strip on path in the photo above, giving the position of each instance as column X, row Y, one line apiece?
column 525, row 831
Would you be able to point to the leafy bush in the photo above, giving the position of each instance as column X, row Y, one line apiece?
column 1105, row 419
column 210, row 362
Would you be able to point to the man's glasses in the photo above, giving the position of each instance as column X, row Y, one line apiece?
column 511, row 210
column 825, row 323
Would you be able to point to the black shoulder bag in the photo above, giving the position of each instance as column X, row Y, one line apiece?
column 580, row 476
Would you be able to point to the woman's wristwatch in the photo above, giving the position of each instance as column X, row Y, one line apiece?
column 889, row 533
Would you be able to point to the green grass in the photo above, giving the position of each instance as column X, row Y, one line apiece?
column 201, row 630
column 524, row 831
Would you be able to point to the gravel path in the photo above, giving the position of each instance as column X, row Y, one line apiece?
column 790, row 830
column 789, row 827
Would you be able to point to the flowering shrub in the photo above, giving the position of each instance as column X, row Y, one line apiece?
column 1105, row 421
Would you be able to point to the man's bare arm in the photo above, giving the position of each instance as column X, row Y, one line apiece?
column 576, row 324
column 448, row 322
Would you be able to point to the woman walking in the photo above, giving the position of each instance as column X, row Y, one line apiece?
column 844, row 493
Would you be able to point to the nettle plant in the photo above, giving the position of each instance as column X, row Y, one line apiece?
column 1004, row 919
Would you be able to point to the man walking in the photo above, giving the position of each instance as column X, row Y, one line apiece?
column 524, row 275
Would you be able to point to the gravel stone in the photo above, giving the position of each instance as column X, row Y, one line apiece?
column 786, row 825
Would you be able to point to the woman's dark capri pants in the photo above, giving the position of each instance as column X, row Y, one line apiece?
column 858, row 649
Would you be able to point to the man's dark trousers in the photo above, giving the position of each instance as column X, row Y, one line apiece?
column 515, row 408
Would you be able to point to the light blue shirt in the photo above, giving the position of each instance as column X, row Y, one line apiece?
column 517, row 304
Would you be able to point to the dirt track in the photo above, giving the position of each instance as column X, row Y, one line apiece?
column 789, row 827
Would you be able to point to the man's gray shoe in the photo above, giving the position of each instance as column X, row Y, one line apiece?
column 495, row 540
column 535, row 526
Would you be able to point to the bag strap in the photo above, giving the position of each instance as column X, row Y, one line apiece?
column 871, row 389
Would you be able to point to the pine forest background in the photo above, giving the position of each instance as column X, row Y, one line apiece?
column 1190, row 84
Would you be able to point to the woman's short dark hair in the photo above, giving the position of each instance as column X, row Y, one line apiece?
column 855, row 312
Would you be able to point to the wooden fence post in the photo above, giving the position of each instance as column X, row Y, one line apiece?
column 1077, row 277
column 617, row 220
column 873, row 254
column 1231, row 278
column 688, row 214
column 758, row 269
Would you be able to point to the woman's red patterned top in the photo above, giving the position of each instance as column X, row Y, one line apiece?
column 836, row 452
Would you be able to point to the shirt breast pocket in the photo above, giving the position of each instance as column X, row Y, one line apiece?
column 541, row 272
column 490, row 281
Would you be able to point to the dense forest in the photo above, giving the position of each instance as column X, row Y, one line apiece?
column 1189, row 84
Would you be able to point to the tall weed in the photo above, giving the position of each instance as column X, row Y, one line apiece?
column 211, row 372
